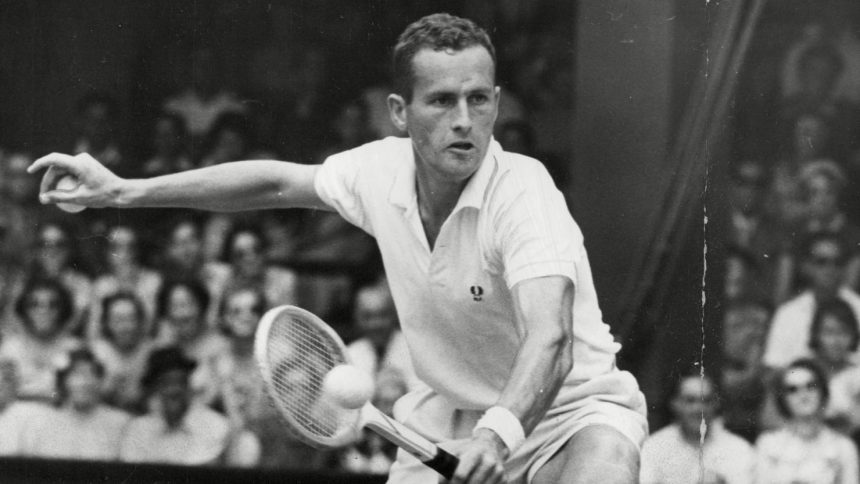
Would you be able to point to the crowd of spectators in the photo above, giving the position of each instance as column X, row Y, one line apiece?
column 783, row 403
column 128, row 335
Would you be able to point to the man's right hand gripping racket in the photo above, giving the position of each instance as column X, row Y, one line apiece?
column 295, row 350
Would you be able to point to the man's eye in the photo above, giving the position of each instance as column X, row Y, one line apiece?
column 478, row 99
column 442, row 101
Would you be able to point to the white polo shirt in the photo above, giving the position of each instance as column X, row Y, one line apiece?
column 454, row 302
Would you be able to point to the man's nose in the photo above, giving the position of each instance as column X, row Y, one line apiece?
column 462, row 116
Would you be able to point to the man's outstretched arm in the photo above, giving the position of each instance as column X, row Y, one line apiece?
column 228, row 187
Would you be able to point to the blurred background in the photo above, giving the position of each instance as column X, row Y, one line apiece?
column 708, row 150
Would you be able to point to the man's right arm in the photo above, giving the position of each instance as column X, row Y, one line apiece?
column 228, row 187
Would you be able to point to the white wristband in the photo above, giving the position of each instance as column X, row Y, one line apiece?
column 505, row 424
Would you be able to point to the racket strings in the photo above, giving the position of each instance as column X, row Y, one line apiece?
column 300, row 356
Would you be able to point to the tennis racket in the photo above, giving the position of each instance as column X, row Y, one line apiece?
column 295, row 350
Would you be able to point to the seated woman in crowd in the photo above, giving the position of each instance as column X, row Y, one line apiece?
column 15, row 414
column 124, row 273
column 54, row 258
column 237, row 387
column 245, row 249
column 805, row 449
column 45, row 311
column 821, row 184
column 182, row 307
column 123, row 346
column 81, row 426
column 182, row 259
column 169, row 146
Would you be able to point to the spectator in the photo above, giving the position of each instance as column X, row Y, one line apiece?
column 125, row 272
column 176, row 430
column 96, row 122
column 15, row 415
column 44, row 309
column 229, row 139
column 123, row 345
column 380, row 344
column 182, row 307
column 804, row 449
column 742, row 376
column 182, row 259
column 56, row 258
column 238, row 388
column 169, row 146
column 833, row 336
column 823, row 257
column 19, row 199
column 822, row 182
column 245, row 252
column 82, row 426
column 206, row 97
column 350, row 127
column 696, row 448
column 743, row 276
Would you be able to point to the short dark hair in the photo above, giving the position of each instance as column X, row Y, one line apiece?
column 246, row 227
column 66, row 308
column 820, row 383
column 438, row 31
column 843, row 312
column 195, row 287
column 110, row 300
column 74, row 357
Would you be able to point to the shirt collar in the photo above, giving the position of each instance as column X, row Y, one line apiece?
column 403, row 192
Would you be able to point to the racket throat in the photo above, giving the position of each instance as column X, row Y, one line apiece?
column 404, row 437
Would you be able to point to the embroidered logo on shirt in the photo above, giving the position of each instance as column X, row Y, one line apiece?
column 477, row 292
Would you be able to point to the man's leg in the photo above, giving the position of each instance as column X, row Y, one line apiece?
column 596, row 454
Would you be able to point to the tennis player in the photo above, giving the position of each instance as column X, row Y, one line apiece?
column 488, row 270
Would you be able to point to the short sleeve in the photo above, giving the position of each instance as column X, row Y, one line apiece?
column 337, row 184
column 534, row 229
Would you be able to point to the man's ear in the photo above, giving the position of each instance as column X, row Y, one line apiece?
column 397, row 111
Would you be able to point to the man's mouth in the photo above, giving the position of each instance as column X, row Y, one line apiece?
column 461, row 146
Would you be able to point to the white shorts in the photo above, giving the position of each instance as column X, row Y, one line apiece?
column 611, row 399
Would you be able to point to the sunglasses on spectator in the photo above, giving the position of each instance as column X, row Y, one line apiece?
column 808, row 386
column 51, row 303
column 52, row 243
column 827, row 260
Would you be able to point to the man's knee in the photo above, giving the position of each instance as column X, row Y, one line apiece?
column 597, row 453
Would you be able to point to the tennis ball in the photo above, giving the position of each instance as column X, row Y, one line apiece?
column 69, row 183
column 348, row 386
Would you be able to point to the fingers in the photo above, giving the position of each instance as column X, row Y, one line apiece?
column 65, row 162
column 478, row 469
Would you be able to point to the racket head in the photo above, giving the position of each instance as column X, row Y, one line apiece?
column 295, row 350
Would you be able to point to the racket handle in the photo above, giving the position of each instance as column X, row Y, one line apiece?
column 443, row 463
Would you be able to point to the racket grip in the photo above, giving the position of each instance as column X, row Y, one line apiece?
column 443, row 463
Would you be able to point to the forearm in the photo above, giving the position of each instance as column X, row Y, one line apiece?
column 228, row 187
column 545, row 357
column 542, row 364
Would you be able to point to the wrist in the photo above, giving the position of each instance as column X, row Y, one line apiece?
column 504, row 424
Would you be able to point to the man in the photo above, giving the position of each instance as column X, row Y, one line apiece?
column 176, row 431
column 487, row 269
column 685, row 452
column 824, row 256
column 380, row 344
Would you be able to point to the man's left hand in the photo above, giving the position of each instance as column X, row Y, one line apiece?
column 482, row 460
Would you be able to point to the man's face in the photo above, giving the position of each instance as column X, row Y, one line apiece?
column 454, row 106
column 375, row 316
column 175, row 394
column 825, row 267
column 694, row 402
column 83, row 385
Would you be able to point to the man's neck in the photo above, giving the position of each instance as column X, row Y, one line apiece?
column 436, row 201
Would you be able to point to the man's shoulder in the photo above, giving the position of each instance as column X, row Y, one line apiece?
column 802, row 301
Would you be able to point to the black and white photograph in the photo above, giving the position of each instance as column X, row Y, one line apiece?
column 441, row 241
